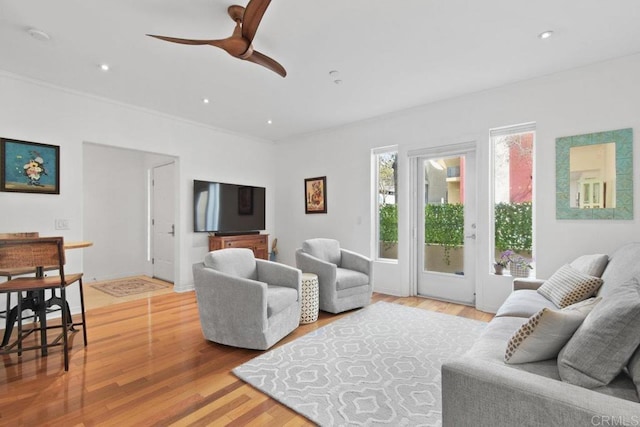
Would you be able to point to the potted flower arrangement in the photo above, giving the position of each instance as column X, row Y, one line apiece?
column 503, row 262
column 518, row 265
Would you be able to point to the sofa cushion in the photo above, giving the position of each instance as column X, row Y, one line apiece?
column 325, row 249
column 493, row 340
column 239, row 262
column 621, row 387
column 634, row 369
column 593, row 265
column 546, row 332
column 605, row 341
column 346, row 279
column 279, row 298
column 524, row 303
column 568, row 286
column 623, row 265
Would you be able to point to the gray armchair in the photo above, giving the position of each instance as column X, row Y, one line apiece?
column 344, row 277
column 246, row 302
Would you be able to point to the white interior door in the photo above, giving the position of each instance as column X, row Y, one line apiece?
column 163, row 222
column 446, row 226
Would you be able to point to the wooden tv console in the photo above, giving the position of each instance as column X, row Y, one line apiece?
column 258, row 243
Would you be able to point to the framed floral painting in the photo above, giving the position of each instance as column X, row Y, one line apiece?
column 29, row 167
column 315, row 194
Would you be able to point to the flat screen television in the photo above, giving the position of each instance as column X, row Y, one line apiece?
column 228, row 208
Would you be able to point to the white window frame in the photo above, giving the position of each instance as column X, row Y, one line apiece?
column 503, row 131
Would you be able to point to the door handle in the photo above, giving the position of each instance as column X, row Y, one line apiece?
column 173, row 230
column 471, row 236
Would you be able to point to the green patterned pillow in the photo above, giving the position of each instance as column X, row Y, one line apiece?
column 568, row 286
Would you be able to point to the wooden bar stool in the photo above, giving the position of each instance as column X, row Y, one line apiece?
column 13, row 272
column 35, row 253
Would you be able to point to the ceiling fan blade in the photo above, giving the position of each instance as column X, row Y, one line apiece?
column 265, row 61
column 252, row 16
column 234, row 46
column 185, row 41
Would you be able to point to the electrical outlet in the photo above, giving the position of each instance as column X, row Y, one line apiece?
column 62, row 224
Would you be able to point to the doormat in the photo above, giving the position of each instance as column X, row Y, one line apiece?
column 129, row 286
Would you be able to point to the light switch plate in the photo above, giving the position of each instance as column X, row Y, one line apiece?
column 62, row 224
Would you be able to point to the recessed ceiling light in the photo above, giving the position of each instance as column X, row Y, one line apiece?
column 104, row 67
column 269, row 121
column 545, row 34
column 205, row 100
column 38, row 34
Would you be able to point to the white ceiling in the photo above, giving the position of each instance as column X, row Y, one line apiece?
column 390, row 55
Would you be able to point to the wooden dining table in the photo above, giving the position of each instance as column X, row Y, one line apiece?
column 77, row 245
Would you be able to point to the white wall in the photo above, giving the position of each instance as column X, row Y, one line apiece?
column 36, row 112
column 591, row 99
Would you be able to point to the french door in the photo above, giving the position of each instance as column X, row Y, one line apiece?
column 446, row 224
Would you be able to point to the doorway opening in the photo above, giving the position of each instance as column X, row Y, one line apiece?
column 117, row 212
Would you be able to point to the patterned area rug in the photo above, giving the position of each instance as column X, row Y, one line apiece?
column 130, row 286
column 378, row 366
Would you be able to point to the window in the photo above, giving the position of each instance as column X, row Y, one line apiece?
column 513, row 192
column 385, row 166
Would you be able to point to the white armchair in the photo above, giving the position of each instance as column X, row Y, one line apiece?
column 344, row 277
column 246, row 302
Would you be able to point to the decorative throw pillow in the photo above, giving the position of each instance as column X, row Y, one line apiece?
column 593, row 265
column 568, row 286
column 605, row 341
column 546, row 332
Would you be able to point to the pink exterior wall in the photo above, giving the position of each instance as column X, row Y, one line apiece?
column 520, row 170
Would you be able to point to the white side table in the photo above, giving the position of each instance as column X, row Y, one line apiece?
column 310, row 303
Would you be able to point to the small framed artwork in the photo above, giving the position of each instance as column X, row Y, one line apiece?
column 245, row 200
column 29, row 167
column 315, row 195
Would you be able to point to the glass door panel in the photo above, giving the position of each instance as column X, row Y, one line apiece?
column 447, row 227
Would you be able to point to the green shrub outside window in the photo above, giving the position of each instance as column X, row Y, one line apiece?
column 389, row 223
column 514, row 227
column 444, row 225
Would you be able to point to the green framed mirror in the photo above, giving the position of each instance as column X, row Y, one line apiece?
column 594, row 175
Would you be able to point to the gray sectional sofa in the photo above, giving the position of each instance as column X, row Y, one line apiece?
column 480, row 389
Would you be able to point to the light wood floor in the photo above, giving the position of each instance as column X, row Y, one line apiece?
column 147, row 363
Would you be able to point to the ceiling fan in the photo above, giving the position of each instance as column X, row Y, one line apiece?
column 239, row 45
